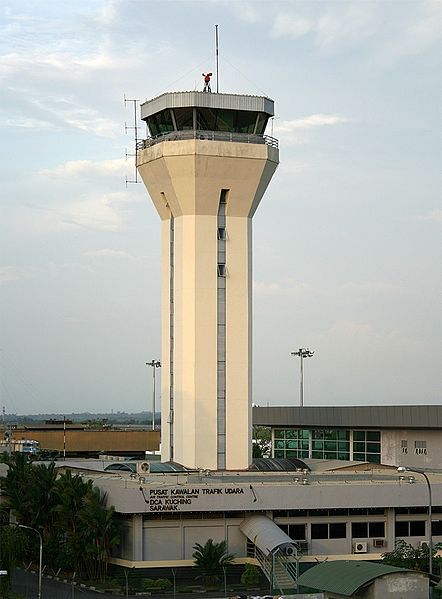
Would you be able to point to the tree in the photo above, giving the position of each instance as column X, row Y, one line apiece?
column 15, row 486
column 262, row 442
column 30, row 491
column 78, row 529
column 405, row 555
column 13, row 542
column 99, row 532
column 211, row 559
column 251, row 575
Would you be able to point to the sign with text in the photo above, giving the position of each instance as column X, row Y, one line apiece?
column 175, row 499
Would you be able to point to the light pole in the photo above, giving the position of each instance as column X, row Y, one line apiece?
column 403, row 469
column 40, row 562
column 155, row 364
column 303, row 352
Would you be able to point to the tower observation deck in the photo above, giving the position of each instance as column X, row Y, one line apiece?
column 206, row 166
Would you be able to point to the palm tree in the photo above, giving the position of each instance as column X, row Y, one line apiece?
column 87, row 527
column 211, row 559
column 100, row 532
column 71, row 493
column 15, row 487
column 13, row 542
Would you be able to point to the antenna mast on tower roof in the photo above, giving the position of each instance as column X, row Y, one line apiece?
column 217, row 59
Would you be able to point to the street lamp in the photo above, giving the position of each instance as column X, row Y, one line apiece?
column 403, row 469
column 40, row 555
column 155, row 364
column 303, row 352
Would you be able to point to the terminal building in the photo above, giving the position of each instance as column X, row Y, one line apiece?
column 390, row 435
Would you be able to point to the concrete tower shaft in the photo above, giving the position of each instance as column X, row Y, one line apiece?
column 206, row 186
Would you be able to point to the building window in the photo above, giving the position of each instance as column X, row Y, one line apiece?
column 367, row 446
column 223, row 196
column 331, row 444
column 291, row 443
column 334, row 530
column 412, row 510
column 367, row 530
column 420, row 447
column 404, row 446
column 412, row 528
column 436, row 528
column 295, row 531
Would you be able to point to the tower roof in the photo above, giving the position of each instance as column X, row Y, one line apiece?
column 207, row 100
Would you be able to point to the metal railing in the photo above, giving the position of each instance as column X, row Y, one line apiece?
column 246, row 138
column 280, row 570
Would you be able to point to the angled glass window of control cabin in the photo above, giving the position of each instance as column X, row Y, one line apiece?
column 184, row 115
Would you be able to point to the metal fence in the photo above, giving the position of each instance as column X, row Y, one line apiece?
column 246, row 138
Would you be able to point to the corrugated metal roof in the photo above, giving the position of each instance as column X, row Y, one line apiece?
column 428, row 416
column 345, row 577
column 206, row 100
column 264, row 533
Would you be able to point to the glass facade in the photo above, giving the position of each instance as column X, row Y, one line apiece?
column 291, row 443
column 327, row 444
column 207, row 119
column 367, row 446
column 330, row 444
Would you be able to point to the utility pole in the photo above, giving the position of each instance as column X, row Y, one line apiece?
column 303, row 352
column 155, row 364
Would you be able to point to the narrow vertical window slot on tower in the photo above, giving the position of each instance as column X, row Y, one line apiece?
column 221, row 330
column 171, row 330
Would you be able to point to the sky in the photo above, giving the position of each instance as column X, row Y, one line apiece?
column 346, row 239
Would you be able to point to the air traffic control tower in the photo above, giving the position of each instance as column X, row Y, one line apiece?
column 206, row 166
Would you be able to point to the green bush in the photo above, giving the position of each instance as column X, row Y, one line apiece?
column 146, row 584
column 162, row 583
column 251, row 575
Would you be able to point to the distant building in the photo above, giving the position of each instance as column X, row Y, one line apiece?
column 391, row 435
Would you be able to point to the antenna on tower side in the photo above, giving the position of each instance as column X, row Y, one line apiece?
column 217, row 59
column 134, row 128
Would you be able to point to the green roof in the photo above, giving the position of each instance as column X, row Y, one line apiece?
column 344, row 577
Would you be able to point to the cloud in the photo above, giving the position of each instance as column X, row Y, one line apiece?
column 292, row 26
column 14, row 273
column 375, row 288
column 293, row 289
column 308, row 122
column 386, row 34
column 95, row 213
column 434, row 216
column 86, row 168
column 109, row 253
column 346, row 25
column 356, row 336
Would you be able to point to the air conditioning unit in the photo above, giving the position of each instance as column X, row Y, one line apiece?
column 288, row 549
column 361, row 547
column 378, row 542
column 422, row 544
column 302, row 546
column 143, row 467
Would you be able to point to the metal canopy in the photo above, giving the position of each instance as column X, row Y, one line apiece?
column 207, row 100
column 264, row 533
column 346, row 577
